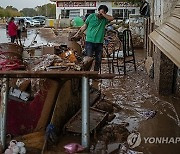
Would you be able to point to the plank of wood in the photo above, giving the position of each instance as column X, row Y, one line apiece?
column 54, row 74
column 48, row 104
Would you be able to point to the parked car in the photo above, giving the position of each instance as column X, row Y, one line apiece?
column 41, row 19
column 30, row 22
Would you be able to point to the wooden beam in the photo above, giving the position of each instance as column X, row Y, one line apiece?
column 54, row 74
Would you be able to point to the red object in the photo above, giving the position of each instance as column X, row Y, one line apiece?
column 22, row 118
column 12, row 29
column 7, row 65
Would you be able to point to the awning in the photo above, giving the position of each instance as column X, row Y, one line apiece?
column 167, row 36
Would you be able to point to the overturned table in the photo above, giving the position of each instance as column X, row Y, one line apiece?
column 85, row 75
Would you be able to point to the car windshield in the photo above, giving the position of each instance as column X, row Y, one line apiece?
column 39, row 18
column 28, row 18
column 16, row 20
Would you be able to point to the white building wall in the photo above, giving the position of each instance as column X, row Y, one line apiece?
column 83, row 9
column 168, row 6
column 162, row 10
column 158, row 8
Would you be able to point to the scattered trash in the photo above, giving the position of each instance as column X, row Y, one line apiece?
column 73, row 148
column 114, row 133
column 98, row 119
column 125, row 124
column 148, row 114
column 107, row 106
column 101, row 147
column 19, row 94
column 111, row 117
column 113, row 148
column 125, row 150
column 51, row 133
column 16, row 147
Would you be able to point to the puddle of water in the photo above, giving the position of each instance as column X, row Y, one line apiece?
column 26, row 38
column 34, row 39
column 3, row 35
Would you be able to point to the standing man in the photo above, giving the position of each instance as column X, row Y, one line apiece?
column 95, row 26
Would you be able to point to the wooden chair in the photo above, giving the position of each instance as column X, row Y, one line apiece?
column 111, row 44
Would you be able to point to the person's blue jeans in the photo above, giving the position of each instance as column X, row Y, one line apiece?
column 94, row 49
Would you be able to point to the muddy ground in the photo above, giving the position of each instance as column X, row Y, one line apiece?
column 135, row 95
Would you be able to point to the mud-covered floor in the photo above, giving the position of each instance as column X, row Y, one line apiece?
column 135, row 94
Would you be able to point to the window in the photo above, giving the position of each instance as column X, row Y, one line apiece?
column 74, row 13
column 70, row 13
column 65, row 13
column 122, row 13
column 90, row 11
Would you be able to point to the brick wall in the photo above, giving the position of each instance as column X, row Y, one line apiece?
column 163, row 73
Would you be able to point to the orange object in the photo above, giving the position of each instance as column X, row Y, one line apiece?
column 69, row 55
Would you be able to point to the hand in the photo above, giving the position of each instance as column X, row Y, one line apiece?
column 75, row 36
column 101, row 12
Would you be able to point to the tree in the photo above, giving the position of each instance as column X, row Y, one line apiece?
column 28, row 12
column 11, row 8
column 48, row 10
column 1, row 12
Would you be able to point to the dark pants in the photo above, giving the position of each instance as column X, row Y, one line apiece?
column 13, row 38
column 95, row 49
column 19, row 34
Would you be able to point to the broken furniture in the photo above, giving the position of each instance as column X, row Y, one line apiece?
column 85, row 75
column 111, row 44
column 98, row 117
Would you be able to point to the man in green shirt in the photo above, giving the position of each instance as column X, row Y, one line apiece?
column 95, row 31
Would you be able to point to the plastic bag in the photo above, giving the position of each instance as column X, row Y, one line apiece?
column 73, row 148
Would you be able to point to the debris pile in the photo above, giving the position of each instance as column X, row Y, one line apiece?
column 114, row 133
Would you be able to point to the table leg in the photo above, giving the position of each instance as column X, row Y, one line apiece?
column 4, row 99
column 85, row 113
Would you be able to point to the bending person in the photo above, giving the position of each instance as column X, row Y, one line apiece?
column 95, row 26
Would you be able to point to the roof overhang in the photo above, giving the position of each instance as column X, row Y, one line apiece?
column 167, row 36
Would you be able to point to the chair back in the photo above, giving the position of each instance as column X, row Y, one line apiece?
column 128, row 49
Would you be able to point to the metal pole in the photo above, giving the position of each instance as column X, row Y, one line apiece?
column 4, row 99
column 85, row 113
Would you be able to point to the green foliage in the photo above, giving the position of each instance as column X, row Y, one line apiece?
column 11, row 8
column 48, row 10
column 1, row 12
column 29, row 12
column 9, row 11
